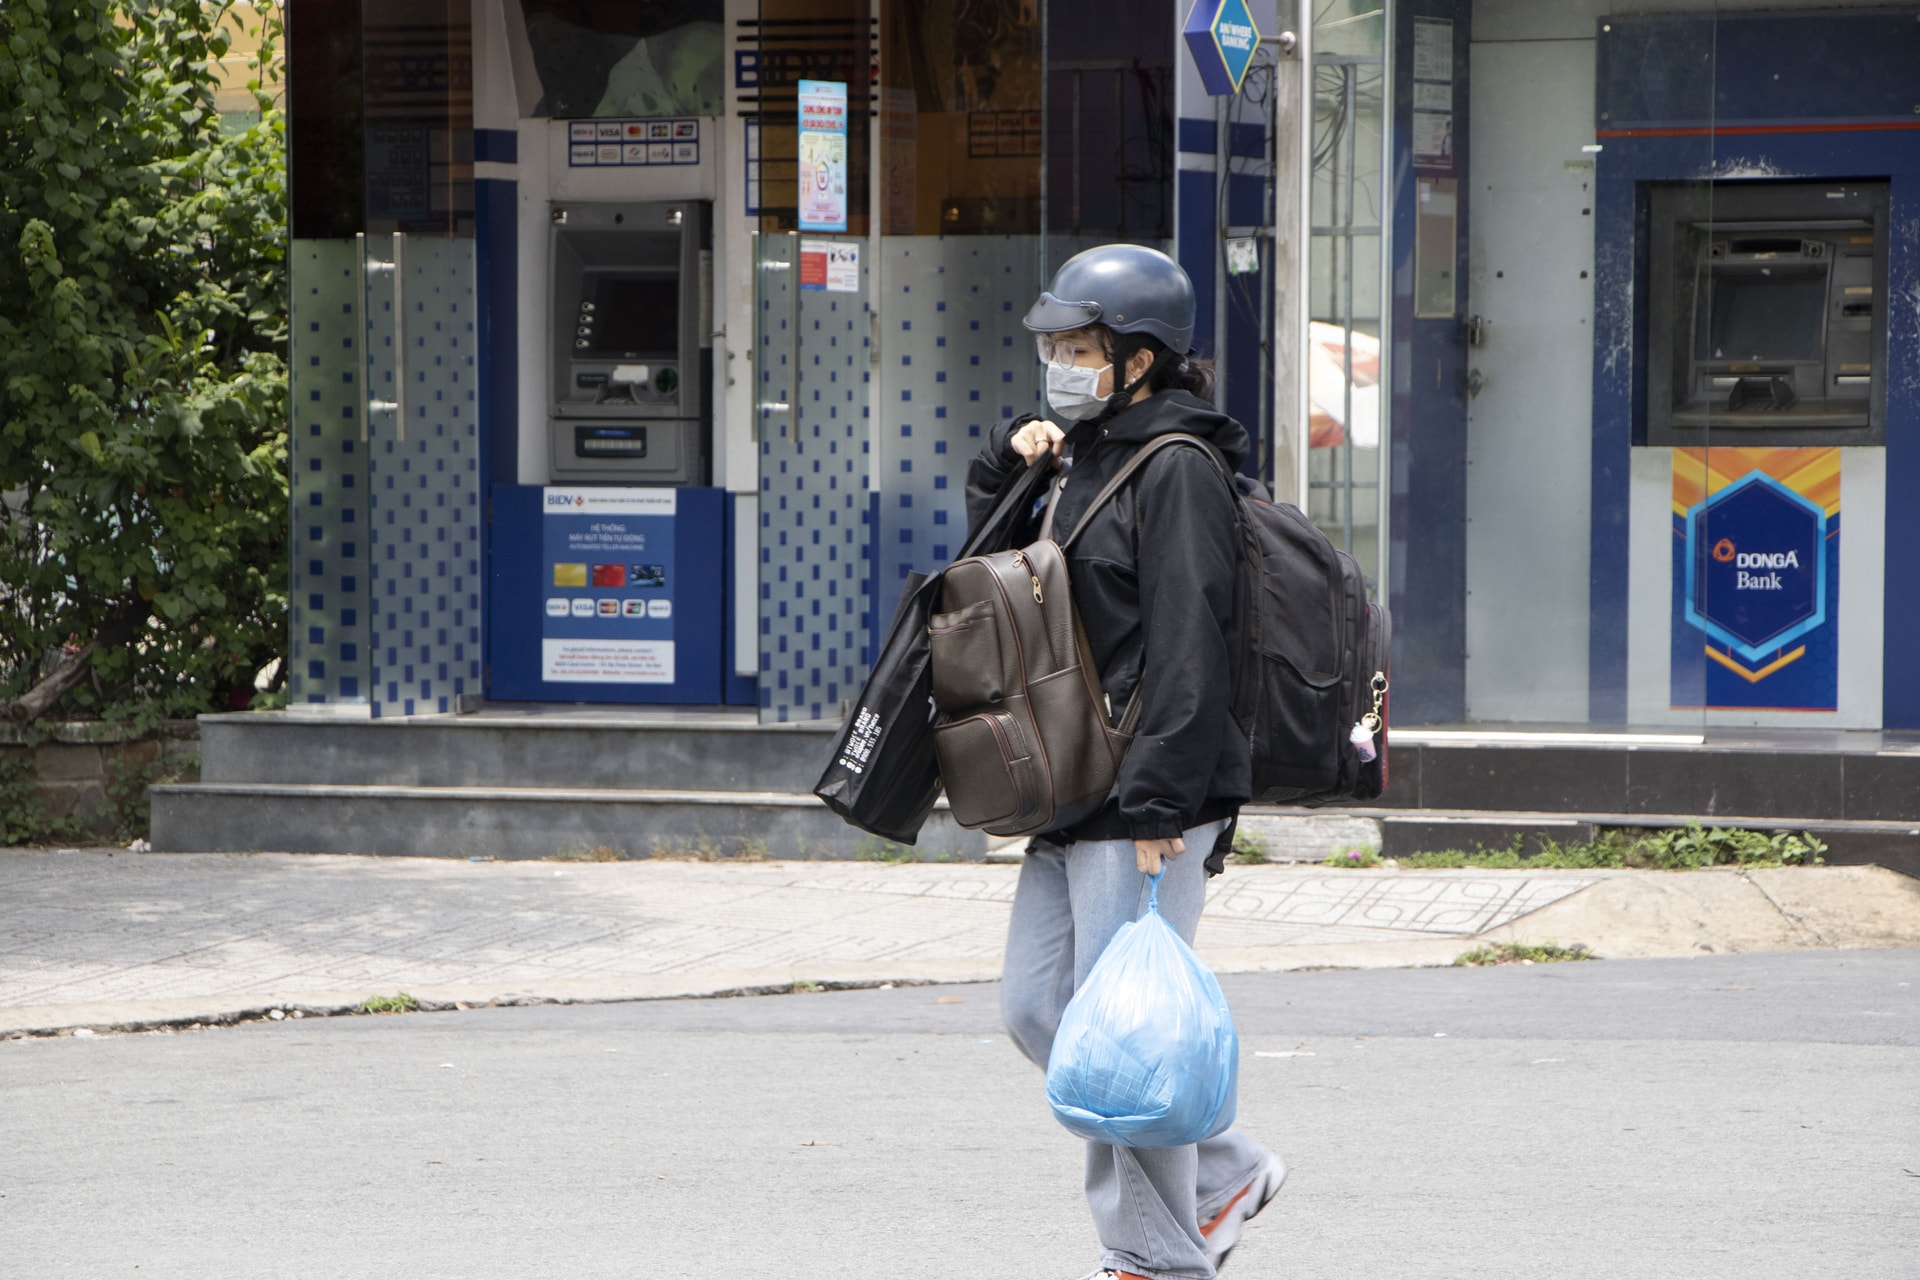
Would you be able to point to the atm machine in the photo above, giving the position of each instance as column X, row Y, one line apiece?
column 1765, row 314
column 610, row 580
column 630, row 361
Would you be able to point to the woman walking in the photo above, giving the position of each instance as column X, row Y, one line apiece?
column 1154, row 577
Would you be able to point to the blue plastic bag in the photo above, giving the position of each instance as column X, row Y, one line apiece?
column 1146, row 1054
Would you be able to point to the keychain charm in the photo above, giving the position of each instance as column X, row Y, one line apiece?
column 1370, row 724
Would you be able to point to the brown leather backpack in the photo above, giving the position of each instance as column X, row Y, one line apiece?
column 1024, row 736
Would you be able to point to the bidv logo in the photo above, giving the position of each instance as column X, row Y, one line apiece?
column 566, row 500
column 1743, row 561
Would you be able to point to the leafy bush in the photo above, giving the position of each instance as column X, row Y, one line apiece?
column 143, row 380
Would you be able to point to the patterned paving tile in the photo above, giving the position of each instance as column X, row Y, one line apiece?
column 86, row 927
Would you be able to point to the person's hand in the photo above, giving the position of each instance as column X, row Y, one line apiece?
column 1148, row 853
column 1037, row 439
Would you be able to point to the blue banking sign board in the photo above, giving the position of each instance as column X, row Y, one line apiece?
column 1223, row 39
column 1759, row 583
column 603, row 594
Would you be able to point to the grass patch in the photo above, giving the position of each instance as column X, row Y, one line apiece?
column 804, row 988
column 1248, row 847
column 1358, row 855
column 704, row 848
column 599, row 853
column 401, row 1003
column 1688, row 848
column 1498, row 953
column 874, row 849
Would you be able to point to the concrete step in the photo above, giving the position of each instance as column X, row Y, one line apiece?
column 1735, row 776
column 525, row 822
column 1895, row 845
column 586, row 751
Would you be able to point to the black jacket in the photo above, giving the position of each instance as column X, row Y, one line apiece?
column 1154, row 579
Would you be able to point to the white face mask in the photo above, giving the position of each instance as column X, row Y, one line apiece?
column 1072, row 391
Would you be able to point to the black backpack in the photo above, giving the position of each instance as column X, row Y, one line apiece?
column 1311, row 692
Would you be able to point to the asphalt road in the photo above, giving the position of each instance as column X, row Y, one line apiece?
column 1737, row 1116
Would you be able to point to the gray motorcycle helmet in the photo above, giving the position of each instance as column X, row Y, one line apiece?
column 1127, row 287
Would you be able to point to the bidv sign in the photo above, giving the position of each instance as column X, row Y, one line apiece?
column 1222, row 37
column 1756, row 566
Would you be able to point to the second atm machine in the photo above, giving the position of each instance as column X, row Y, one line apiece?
column 609, row 580
column 630, row 361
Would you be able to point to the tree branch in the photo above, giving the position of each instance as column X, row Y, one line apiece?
column 38, row 700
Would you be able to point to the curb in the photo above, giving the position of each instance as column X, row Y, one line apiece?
column 127, row 1016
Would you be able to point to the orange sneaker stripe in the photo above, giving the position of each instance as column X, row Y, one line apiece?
column 1207, row 1227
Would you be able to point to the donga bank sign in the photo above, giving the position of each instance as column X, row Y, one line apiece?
column 1222, row 38
column 1756, row 566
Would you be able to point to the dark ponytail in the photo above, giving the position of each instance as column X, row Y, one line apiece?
column 1168, row 372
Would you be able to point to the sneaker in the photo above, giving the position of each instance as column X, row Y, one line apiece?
column 1222, row 1230
column 1112, row 1275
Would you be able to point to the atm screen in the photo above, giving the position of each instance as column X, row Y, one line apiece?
column 636, row 316
column 1752, row 316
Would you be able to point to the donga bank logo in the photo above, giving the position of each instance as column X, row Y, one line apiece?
column 1756, row 566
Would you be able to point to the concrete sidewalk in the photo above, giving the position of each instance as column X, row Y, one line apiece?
column 109, row 939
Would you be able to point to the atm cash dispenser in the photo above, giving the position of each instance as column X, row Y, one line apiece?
column 631, row 360
column 1765, row 313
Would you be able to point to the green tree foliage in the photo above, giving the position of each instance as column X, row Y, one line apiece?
column 143, row 340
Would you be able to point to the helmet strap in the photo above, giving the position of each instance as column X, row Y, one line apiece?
column 1123, row 397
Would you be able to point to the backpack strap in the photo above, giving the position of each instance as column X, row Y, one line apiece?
column 1130, row 715
column 1133, row 464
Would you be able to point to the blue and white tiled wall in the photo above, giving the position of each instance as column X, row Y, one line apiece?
column 386, row 555
column 425, row 487
column 954, row 361
column 328, row 587
column 812, row 354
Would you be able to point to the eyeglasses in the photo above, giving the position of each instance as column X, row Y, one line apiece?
column 1054, row 349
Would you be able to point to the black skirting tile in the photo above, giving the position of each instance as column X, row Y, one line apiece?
column 1751, row 784
column 1533, row 779
column 1883, row 788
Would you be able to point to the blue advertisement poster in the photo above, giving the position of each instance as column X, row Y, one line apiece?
column 1756, row 579
column 607, row 585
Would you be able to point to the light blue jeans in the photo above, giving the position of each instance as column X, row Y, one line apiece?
column 1147, row 1204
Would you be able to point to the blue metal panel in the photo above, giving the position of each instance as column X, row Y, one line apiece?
column 1427, row 517
column 1198, row 241
column 1719, row 70
column 500, row 146
column 1900, row 706
column 515, row 614
column 496, row 243
column 496, row 293
column 1247, row 297
column 1847, row 68
column 1197, row 134
column 738, row 690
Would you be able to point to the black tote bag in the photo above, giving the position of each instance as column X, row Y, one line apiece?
column 882, row 776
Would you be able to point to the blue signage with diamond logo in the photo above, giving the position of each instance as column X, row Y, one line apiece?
column 1756, row 566
column 1222, row 37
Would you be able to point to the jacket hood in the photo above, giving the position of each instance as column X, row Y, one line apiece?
column 1171, row 411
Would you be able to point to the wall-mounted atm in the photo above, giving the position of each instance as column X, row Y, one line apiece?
column 1765, row 313
column 630, row 361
